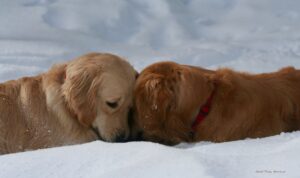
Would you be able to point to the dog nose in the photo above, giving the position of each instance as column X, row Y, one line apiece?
column 139, row 136
column 136, row 137
column 130, row 117
column 121, row 138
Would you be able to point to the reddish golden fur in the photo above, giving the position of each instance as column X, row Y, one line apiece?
column 61, row 106
column 168, row 97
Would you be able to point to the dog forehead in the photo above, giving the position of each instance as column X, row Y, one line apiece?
column 114, row 86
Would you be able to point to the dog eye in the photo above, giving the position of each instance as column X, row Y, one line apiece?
column 112, row 104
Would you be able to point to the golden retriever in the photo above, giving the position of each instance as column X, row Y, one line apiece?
column 80, row 101
column 178, row 103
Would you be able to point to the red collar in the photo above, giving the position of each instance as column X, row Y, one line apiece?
column 203, row 112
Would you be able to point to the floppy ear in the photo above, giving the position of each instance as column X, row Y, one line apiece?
column 80, row 92
column 158, row 93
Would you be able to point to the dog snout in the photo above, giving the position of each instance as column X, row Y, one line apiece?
column 139, row 136
column 130, row 117
column 136, row 137
column 122, row 137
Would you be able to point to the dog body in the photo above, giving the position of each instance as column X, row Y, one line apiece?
column 242, row 105
column 27, row 123
column 69, row 104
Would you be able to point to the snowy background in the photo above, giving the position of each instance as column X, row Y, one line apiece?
column 248, row 35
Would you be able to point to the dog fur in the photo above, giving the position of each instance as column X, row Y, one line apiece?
column 168, row 97
column 80, row 101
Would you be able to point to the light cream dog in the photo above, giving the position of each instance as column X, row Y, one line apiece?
column 75, row 102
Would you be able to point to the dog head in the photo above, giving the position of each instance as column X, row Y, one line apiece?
column 98, row 89
column 167, row 99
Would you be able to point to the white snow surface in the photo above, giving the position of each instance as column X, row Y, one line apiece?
column 246, row 35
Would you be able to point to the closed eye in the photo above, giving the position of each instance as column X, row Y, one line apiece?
column 112, row 104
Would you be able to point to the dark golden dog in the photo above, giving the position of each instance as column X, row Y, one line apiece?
column 177, row 103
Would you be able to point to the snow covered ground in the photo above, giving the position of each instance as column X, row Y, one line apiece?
column 276, row 157
column 248, row 35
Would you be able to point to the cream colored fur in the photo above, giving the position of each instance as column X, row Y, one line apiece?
column 69, row 104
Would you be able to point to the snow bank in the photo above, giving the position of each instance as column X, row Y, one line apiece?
column 269, row 157
column 254, row 36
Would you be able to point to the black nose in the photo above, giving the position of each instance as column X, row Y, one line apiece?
column 130, row 117
column 139, row 136
column 121, row 138
column 136, row 137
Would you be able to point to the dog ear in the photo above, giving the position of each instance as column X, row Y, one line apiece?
column 160, row 93
column 80, row 92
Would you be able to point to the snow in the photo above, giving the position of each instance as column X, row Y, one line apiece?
column 269, row 157
column 254, row 36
